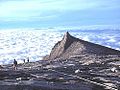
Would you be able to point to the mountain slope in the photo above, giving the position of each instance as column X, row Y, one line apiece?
column 70, row 46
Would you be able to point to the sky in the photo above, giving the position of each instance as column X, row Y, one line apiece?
column 55, row 13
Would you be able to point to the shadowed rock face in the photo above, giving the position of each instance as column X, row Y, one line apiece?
column 62, row 45
column 71, row 46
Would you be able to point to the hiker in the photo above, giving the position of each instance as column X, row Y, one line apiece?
column 15, row 64
column 24, row 61
column 28, row 60
column 1, row 67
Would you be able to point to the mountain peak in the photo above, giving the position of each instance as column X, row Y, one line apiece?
column 62, row 45
column 67, row 40
column 70, row 46
column 67, row 34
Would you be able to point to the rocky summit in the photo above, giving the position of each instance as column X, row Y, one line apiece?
column 73, row 64
column 70, row 46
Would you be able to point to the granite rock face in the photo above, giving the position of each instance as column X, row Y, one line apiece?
column 73, row 64
column 62, row 46
column 70, row 46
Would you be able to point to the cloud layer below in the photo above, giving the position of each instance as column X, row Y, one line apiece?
column 35, row 44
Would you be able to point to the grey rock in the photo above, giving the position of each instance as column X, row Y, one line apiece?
column 71, row 46
column 73, row 64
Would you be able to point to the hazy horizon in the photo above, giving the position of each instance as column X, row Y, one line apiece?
column 63, row 13
column 23, row 25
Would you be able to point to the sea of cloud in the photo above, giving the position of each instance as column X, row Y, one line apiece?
column 34, row 44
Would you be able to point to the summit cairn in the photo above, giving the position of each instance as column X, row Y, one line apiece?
column 71, row 46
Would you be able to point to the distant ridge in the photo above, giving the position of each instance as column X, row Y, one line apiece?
column 70, row 46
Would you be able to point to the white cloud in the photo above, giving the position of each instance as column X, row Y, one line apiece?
column 14, row 7
column 32, row 43
column 31, row 8
column 28, row 10
column 13, row 10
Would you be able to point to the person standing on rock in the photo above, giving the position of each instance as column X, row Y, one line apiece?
column 1, row 67
column 24, row 61
column 15, row 64
column 28, row 60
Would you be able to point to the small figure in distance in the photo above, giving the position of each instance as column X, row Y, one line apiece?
column 24, row 61
column 15, row 64
column 28, row 59
column 1, row 67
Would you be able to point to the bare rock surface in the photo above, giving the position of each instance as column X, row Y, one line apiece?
column 70, row 46
column 73, row 64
